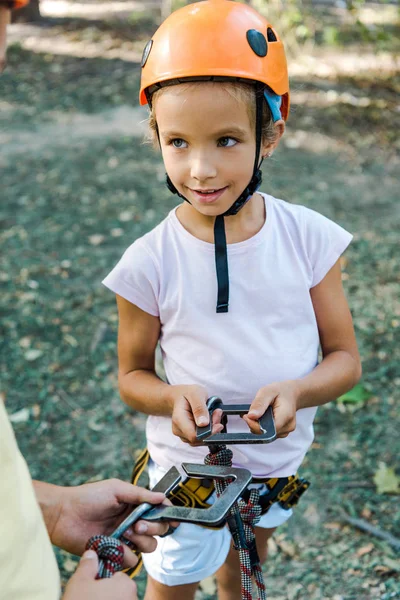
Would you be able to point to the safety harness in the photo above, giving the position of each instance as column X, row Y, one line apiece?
column 191, row 499
column 247, row 510
column 194, row 493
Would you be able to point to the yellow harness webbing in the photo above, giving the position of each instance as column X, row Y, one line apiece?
column 194, row 493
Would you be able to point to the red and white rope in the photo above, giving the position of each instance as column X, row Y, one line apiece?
column 243, row 515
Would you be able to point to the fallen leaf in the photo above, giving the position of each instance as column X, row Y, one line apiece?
column 356, row 572
column 33, row 354
column 69, row 565
column 36, row 411
column 312, row 514
column 117, row 232
column 209, row 586
column 96, row 239
column 392, row 563
column 125, row 216
column 358, row 395
column 333, row 526
column 366, row 513
column 94, row 425
column 386, row 480
column 25, row 342
column 382, row 570
column 21, row 416
column 272, row 547
column 70, row 340
column 287, row 548
column 364, row 550
column 338, row 549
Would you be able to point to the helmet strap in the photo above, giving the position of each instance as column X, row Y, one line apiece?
column 221, row 250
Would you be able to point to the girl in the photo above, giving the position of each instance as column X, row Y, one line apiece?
column 239, row 288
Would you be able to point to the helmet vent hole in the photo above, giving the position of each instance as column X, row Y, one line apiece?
column 146, row 53
column 271, row 37
column 257, row 42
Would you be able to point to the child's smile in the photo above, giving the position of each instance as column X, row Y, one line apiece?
column 205, row 196
column 207, row 142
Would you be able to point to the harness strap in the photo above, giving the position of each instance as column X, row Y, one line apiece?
column 284, row 490
column 194, row 493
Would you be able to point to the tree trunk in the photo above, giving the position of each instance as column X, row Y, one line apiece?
column 28, row 14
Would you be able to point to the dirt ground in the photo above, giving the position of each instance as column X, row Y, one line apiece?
column 79, row 185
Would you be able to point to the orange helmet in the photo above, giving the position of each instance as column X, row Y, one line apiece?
column 218, row 39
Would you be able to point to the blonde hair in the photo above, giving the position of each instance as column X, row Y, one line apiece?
column 240, row 91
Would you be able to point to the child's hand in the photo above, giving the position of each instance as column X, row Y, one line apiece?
column 283, row 398
column 190, row 410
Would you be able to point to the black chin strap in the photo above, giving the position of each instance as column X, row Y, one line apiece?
column 221, row 250
column 221, row 264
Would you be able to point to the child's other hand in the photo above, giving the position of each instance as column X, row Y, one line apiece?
column 283, row 398
column 190, row 410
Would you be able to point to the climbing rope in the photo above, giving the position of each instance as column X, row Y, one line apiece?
column 110, row 552
column 241, row 519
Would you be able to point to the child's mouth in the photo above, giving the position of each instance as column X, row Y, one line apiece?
column 208, row 196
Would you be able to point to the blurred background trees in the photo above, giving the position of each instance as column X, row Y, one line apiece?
column 332, row 22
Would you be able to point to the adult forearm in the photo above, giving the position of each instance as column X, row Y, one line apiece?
column 337, row 373
column 50, row 498
column 144, row 391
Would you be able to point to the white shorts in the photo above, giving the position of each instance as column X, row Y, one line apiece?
column 193, row 553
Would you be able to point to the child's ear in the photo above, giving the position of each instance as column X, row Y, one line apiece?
column 269, row 147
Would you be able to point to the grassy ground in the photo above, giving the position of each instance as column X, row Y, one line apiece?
column 74, row 196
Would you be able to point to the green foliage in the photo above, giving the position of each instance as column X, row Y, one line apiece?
column 358, row 395
column 143, row 19
column 331, row 36
column 386, row 480
column 178, row 4
column 301, row 21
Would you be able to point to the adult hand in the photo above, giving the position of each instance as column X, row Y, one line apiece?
column 283, row 398
column 83, row 583
column 98, row 508
column 190, row 410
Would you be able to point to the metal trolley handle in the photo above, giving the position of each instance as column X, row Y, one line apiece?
column 267, row 425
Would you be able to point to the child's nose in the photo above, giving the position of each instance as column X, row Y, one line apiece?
column 202, row 168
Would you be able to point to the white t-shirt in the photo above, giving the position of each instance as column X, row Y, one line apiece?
column 270, row 333
column 28, row 567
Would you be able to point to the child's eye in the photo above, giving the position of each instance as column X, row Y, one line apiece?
column 227, row 142
column 178, row 143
